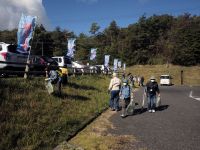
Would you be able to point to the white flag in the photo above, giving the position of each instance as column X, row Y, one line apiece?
column 119, row 64
column 115, row 64
column 93, row 53
column 106, row 60
column 124, row 67
column 71, row 49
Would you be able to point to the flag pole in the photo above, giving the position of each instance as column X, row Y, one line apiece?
column 28, row 59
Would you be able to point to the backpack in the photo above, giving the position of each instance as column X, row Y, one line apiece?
column 54, row 76
column 127, row 92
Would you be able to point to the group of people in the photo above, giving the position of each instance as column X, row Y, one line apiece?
column 134, row 79
column 124, row 90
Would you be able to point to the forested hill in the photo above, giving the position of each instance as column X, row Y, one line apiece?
column 152, row 40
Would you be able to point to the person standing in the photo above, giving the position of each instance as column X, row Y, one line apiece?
column 55, row 77
column 131, row 80
column 123, row 76
column 125, row 94
column 151, row 91
column 64, row 75
column 142, row 81
column 114, row 88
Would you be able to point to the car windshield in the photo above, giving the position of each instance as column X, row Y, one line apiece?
column 67, row 60
column 165, row 77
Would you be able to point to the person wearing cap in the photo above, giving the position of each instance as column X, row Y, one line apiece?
column 125, row 94
column 114, row 88
column 151, row 91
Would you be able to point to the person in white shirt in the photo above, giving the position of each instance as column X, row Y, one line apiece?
column 114, row 89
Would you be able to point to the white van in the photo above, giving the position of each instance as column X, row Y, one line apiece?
column 63, row 61
column 165, row 80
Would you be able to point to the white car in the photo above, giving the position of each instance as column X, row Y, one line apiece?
column 165, row 80
column 78, row 66
column 10, row 58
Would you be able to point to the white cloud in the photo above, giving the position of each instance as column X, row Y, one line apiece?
column 11, row 10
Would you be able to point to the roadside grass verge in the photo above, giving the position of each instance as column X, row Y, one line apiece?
column 32, row 119
column 191, row 75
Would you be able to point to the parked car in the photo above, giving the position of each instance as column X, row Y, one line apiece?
column 78, row 66
column 63, row 61
column 10, row 58
column 165, row 80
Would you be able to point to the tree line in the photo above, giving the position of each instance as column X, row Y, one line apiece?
column 157, row 39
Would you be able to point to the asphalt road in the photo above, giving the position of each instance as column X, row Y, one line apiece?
column 176, row 126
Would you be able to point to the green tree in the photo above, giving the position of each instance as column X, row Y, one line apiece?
column 94, row 28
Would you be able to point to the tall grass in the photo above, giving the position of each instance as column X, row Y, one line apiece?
column 191, row 75
column 32, row 119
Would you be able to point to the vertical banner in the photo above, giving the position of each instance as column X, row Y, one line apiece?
column 124, row 67
column 115, row 64
column 93, row 53
column 25, row 32
column 119, row 64
column 70, row 46
column 106, row 60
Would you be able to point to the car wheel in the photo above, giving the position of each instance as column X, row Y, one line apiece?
column 3, row 75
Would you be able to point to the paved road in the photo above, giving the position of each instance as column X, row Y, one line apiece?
column 175, row 127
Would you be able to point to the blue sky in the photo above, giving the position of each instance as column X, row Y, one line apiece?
column 78, row 15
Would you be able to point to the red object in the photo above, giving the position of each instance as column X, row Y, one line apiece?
column 4, row 54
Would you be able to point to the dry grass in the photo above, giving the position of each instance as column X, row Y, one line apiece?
column 191, row 75
column 97, row 137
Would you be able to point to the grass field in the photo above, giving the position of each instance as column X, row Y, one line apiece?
column 191, row 75
column 32, row 119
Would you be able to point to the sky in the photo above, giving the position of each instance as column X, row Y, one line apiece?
column 78, row 15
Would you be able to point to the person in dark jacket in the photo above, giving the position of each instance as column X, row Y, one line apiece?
column 151, row 91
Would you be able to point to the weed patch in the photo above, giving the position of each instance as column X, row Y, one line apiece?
column 32, row 119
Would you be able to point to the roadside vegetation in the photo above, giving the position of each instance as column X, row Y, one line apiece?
column 32, row 119
column 190, row 74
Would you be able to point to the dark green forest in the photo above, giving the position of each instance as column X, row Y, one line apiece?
column 157, row 39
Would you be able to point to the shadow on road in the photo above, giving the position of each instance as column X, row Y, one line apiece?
column 162, row 107
column 138, row 111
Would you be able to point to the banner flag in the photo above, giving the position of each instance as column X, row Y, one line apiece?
column 124, row 67
column 93, row 53
column 25, row 32
column 115, row 64
column 106, row 60
column 119, row 64
column 71, row 49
